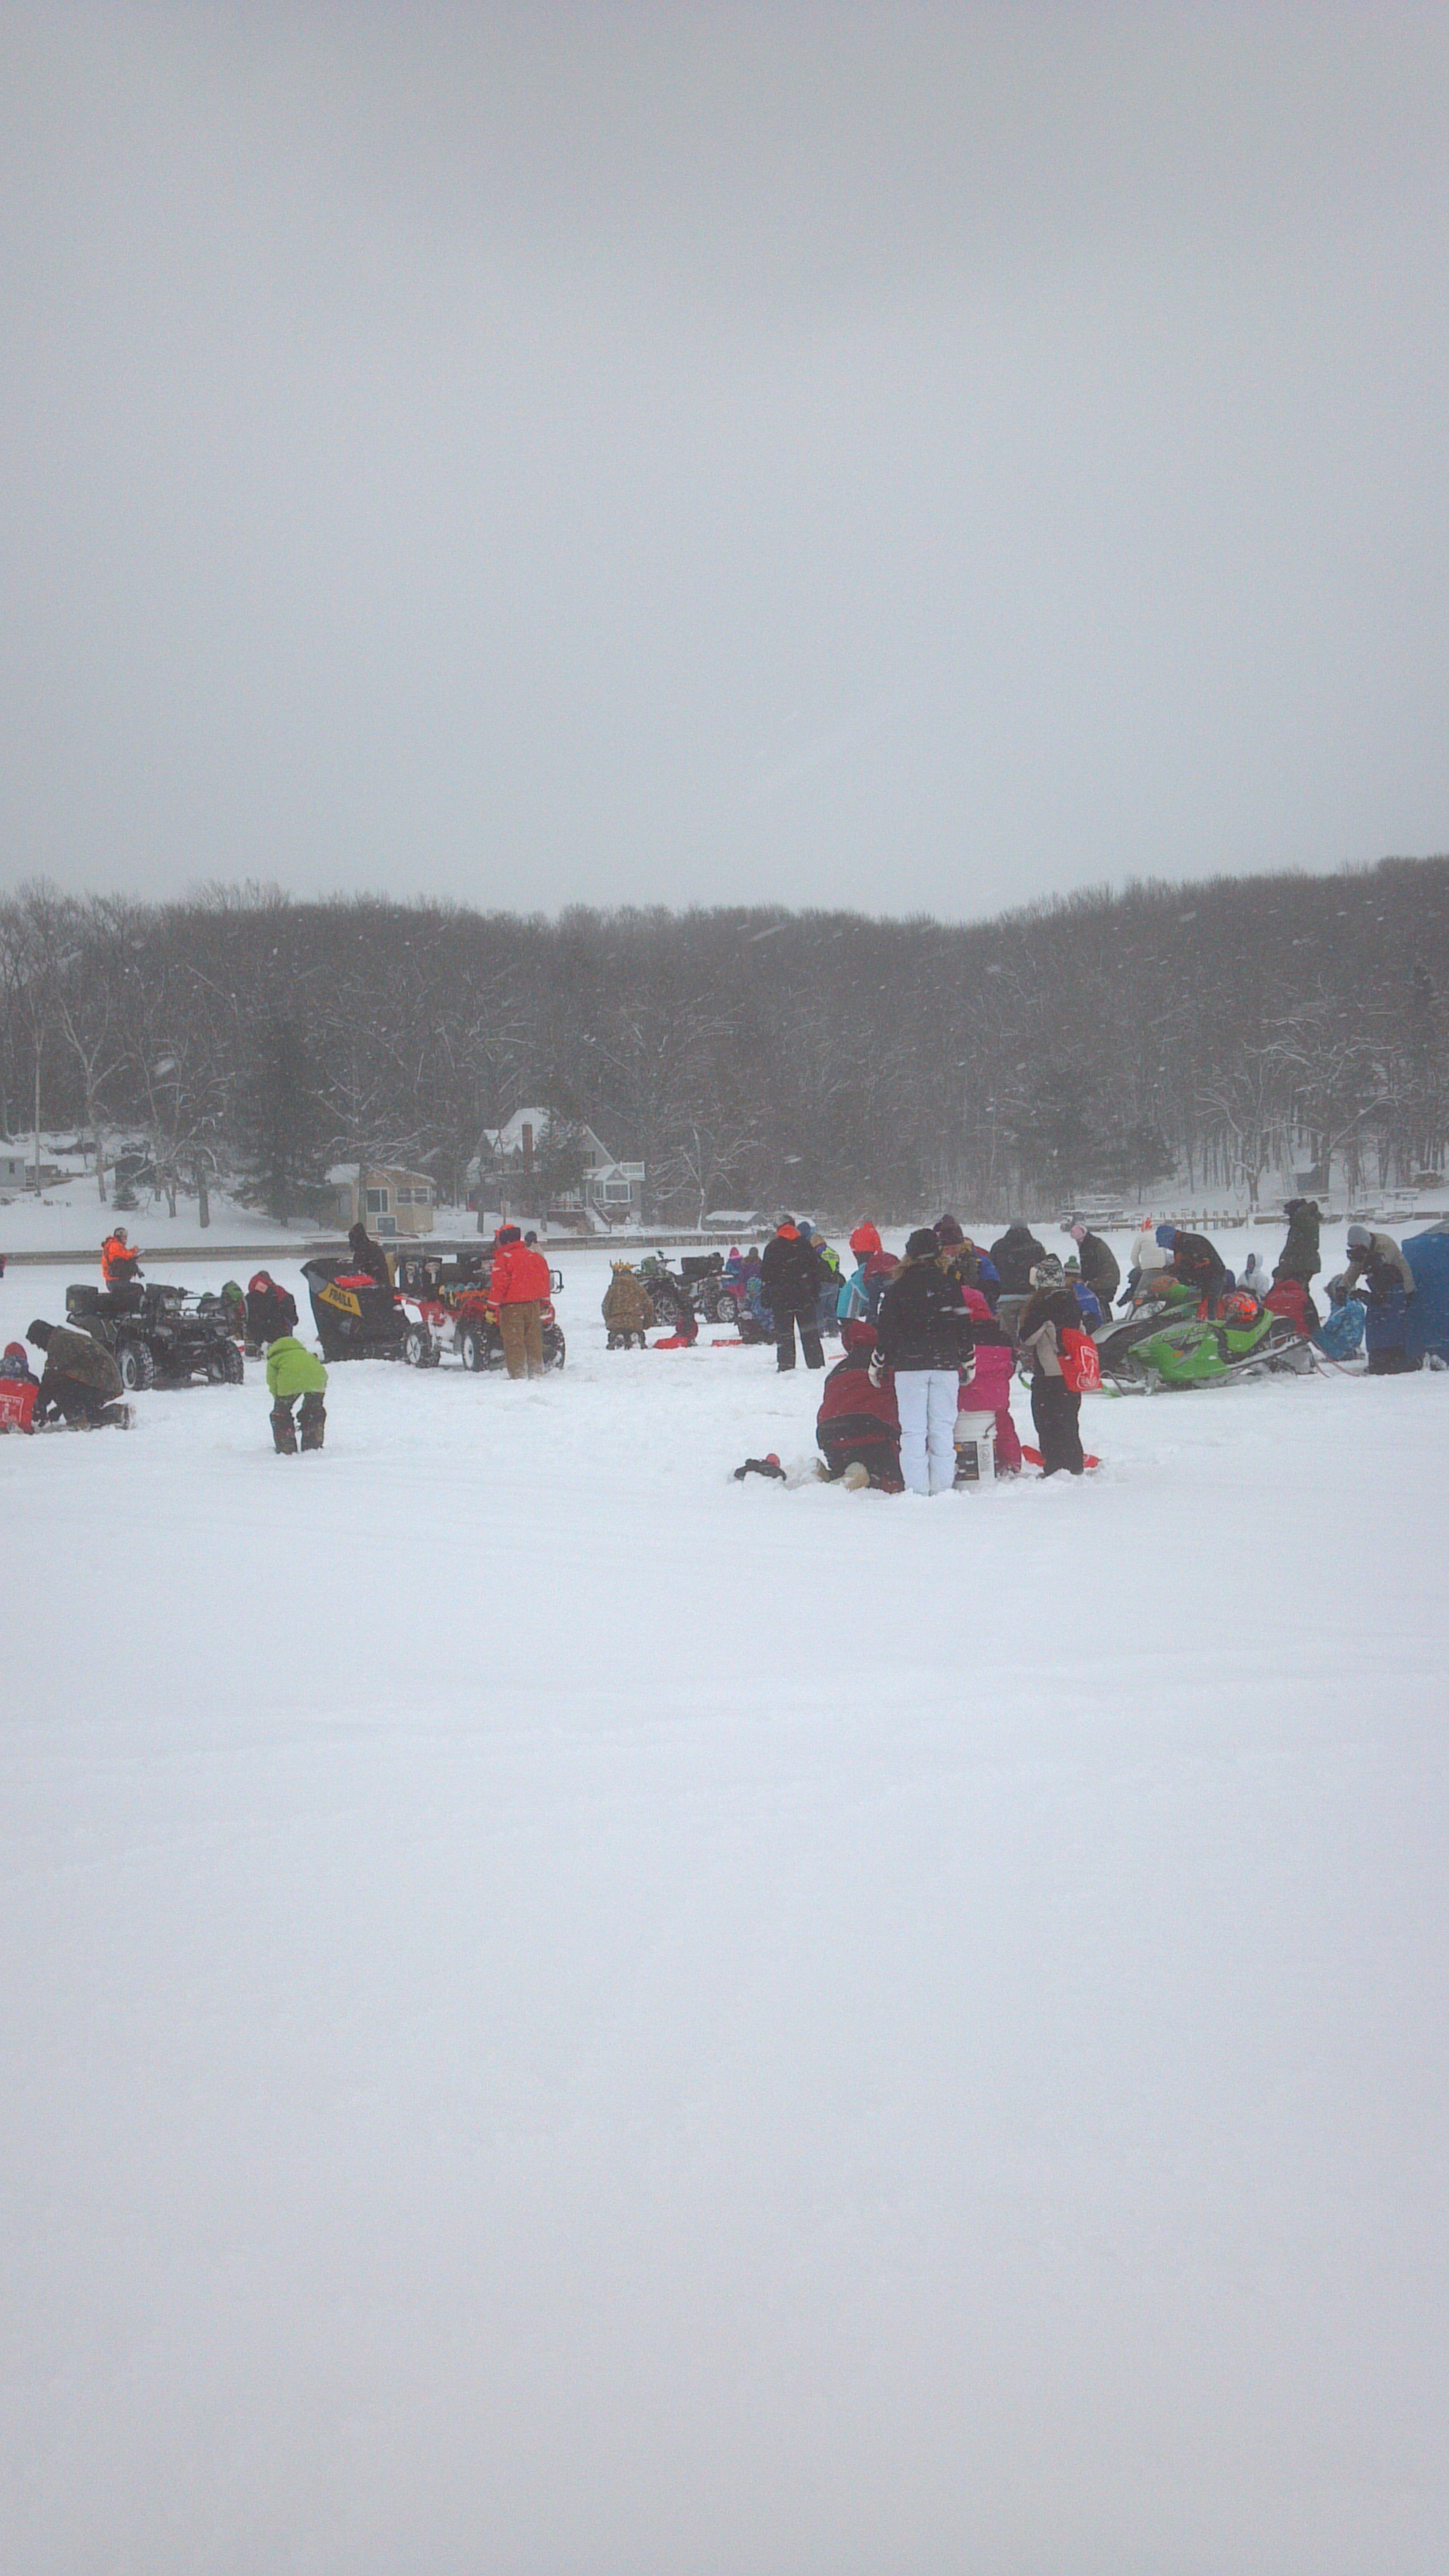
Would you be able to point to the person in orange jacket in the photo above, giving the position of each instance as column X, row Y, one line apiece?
column 519, row 1286
column 120, row 1261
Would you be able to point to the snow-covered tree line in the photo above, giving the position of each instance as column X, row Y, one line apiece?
column 1101, row 1045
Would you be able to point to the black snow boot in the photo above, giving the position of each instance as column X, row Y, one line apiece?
column 314, row 1421
column 284, row 1430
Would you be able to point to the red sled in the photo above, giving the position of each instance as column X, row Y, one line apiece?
column 1033, row 1456
column 17, row 1403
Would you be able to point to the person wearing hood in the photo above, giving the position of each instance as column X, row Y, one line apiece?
column 81, row 1381
column 925, row 1338
column 989, row 1389
column 1340, row 1336
column 857, row 1428
column 1197, row 1263
column 1099, row 1263
column 1014, row 1254
column 15, row 1365
column 369, row 1259
column 862, row 1292
column 792, row 1276
column 1389, row 1283
column 270, row 1312
column 1300, row 1257
column 1255, row 1275
column 1050, row 1311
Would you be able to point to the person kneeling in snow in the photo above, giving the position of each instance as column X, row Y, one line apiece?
column 292, row 1371
column 628, row 1309
column 81, row 1382
column 858, row 1429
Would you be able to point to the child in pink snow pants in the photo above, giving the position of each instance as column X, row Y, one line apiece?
column 990, row 1389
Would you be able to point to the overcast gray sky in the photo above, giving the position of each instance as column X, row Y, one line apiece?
column 907, row 456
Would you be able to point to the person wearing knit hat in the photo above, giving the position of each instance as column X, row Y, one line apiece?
column 792, row 1276
column 861, row 1293
column 1389, row 1284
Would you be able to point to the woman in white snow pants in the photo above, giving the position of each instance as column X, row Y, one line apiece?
column 926, row 1403
column 924, row 1335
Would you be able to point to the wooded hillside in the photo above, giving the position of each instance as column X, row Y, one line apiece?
column 1104, row 1045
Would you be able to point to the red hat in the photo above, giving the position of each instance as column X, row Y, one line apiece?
column 857, row 1333
column 865, row 1239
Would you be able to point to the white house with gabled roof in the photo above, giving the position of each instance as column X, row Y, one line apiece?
column 610, row 1192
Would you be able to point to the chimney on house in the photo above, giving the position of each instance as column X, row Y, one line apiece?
column 527, row 1142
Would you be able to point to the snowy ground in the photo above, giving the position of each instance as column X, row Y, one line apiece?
column 565, row 2014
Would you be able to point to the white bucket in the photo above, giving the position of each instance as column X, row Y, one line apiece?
column 975, row 1448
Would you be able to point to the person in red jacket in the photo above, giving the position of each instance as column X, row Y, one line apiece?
column 857, row 1428
column 519, row 1287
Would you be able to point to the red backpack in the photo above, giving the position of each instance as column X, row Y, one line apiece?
column 1081, row 1368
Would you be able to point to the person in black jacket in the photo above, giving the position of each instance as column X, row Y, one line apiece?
column 1301, row 1258
column 1014, row 1254
column 1198, row 1262
column 792, row 1276
column 368, row 1257
column 1100, row 1272
column 1050, row 1311
column 270, row 1312
column 924, row 1335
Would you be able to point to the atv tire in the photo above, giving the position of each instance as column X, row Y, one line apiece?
column 137, row 1367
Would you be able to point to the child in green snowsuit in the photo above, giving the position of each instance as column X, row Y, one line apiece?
column 293, row 1370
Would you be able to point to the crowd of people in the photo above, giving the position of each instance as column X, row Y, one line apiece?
column 931, row 1340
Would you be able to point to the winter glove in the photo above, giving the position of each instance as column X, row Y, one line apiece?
column 760, row 1467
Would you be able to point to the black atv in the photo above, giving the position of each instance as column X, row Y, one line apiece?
column 159, row 1336
column 673, row 1293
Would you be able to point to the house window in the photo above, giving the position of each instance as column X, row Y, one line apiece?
column 377, row 1202
column 616, row 1190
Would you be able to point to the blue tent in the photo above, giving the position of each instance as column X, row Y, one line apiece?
column 1427, row 1320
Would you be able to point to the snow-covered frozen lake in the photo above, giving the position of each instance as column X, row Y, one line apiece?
column 568, row 2017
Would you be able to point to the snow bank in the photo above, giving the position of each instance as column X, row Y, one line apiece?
column 566, row 2013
